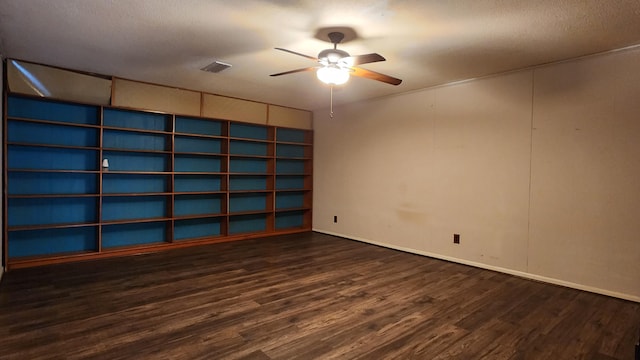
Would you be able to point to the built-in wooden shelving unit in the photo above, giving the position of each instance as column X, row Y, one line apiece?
column 172, row 180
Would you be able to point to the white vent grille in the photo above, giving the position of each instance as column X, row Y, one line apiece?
column 216, row 67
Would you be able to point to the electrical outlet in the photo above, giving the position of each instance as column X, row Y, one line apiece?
column 335, row 218
column 456, row 238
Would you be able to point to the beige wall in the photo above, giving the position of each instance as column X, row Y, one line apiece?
column 538, row 170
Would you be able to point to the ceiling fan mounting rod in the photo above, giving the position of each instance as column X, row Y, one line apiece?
column 336, row 37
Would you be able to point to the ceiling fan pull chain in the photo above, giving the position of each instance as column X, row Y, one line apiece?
column 331, row 102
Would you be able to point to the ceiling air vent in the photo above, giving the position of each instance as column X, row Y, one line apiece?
column 216, row 67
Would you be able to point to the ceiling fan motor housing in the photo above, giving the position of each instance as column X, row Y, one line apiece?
column 331, row 56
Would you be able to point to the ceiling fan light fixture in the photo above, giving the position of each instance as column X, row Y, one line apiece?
column 333, row 75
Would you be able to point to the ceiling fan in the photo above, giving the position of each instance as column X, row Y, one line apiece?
column 335, row 66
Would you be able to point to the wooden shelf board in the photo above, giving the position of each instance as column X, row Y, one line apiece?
column 70, row 171
column 55, row 171
column 199, row 216
column 199, row 154
column 53, row 122
column 199, row 173
column 296, row 209
column 124, row 172
column 249, row 174
column 165, row 152
column 138, row 130
column 55, row 146
column 251, row 140
column 294, row 174
column 40, row 196
column 256, row 212
column 246, row 156
column 135, row 221
column 221, row 192
column 203, row 136
column 17, row 263
column 136, row 194
column 292, row 158
column 49, row 226
column 293, row 143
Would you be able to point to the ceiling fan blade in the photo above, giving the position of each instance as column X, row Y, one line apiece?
column 375, row 76
column 295, row 71
column 297, row 53
column 366, row 58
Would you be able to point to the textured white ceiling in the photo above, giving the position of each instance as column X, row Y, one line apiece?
column 426, row 43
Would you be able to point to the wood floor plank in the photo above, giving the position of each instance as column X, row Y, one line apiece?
column 305, row 296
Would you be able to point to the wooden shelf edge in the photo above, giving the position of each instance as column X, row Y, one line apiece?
column 293, row 143
column 110, row 195
column 137, row 151
column 134, row 221
column 202, row 136
column 55, row 171
column 255, row 191
column 200, row 154
column 139, row 130
column 55, row 146
column 143, row 249
column 53, row 122
column 199, row 216
column 251, row 140
column 296, row 209
column 40, row 196
column 49, row 226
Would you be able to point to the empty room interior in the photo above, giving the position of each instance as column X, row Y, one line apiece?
column 382, row 179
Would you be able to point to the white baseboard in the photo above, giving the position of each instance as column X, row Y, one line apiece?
column 493, row 268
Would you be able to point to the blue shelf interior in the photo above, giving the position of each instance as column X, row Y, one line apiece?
column 134, row 207
column 247, row 202
column 197, row 183
column 197, row 145
column 290, row 166
column 137, row 120
column 285, row 182
column 290, row 135
column 197, row 228
column 42, row 183
column 247, row 182
column 289, row 200
column 52, row 111
column 52, row 241
column 198, row 204
column 51, row 134
column 114, row 183
column 132, row 161
column 50, row 211
column 198, row 163
column 256, row 132
column 289, row 219
column 118, row 139
column 237, row 147
column 248, row 165
column 196, row 126
column 247, row 223
column 37, row 158
column 134, row 234
column 291, row 151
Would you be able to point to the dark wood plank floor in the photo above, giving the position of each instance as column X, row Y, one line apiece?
column 308, row 296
